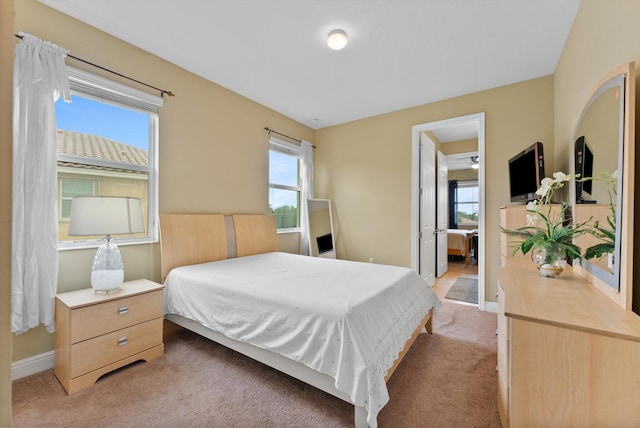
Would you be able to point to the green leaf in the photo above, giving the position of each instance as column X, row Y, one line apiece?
column 526, row 246
column 598, row 250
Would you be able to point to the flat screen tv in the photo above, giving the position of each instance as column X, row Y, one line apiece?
column 325, row 243
column 583, row 166
column 526, row 171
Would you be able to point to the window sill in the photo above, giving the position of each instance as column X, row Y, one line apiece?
column 94, row 244
column 291, row 230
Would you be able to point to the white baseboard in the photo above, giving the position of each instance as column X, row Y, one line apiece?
column 491, row 307
column 32, row 365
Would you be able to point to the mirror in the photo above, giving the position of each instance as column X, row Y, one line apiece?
column 321, row 237
column 600, row 145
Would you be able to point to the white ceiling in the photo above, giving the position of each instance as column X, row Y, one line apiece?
column 460, row 161
column 459, row 132
column 400, row 54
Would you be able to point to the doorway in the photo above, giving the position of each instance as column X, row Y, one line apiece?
column 456, row 124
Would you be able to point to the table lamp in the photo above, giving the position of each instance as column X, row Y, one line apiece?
column 106, row 215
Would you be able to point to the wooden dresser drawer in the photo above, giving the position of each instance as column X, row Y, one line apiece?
column 92, row 321
column 503, row 335
column 95, row 353
column 503, row 356
column 503, row 400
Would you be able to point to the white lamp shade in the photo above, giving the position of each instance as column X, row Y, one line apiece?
column 105, row 215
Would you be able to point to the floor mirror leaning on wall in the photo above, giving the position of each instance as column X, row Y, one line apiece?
column 321, row 236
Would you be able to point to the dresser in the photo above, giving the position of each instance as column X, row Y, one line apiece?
column 98, row 333
column 568, row 356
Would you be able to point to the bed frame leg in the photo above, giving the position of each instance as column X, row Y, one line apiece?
column 429, row 325
column 360, row 414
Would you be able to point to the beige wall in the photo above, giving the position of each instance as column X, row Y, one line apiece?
column 365, row 168
column 462, row 146
column 213, row 148
column 604, row 36
column 6, row 66
column 463, row 174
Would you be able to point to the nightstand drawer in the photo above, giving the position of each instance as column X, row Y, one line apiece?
column 92, row 321
column 98, row 352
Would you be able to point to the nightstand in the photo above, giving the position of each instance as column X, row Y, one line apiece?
column 98, row 333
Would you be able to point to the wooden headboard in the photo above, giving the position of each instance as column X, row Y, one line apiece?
column 187, row 239
column 255, row 234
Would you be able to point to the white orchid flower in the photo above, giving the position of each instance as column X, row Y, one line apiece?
column 532, row 219
column 533, row 205
column 546, row 182
column 545, row 186
column 559, row 177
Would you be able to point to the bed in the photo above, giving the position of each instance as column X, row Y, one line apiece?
column 225, row 280
column 459, row 243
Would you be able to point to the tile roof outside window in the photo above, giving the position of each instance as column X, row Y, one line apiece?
column 94, row 146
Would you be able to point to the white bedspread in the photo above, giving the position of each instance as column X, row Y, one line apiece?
column 348, row 320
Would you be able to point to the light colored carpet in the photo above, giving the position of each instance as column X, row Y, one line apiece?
column 464, row 289
column 447, row 379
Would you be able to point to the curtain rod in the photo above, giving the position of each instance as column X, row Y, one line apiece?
column 162, row 91
column 284, row 135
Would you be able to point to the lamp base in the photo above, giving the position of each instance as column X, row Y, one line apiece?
column 107, row 273
column 106, row 281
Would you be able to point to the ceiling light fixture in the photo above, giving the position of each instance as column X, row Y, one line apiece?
column 337, row 40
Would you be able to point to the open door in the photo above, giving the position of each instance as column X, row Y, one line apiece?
column 427, row 209
column 476, row 124
column 442, row 218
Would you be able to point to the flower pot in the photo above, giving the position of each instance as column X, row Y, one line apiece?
column 550, row 260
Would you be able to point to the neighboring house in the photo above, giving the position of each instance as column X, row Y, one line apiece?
column 80, row 179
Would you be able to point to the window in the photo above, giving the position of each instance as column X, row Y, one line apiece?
column 467, row 203
column 284, row 185
column 107, row 140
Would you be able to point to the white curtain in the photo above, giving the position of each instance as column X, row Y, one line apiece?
column 306, row 192
column 40, row 78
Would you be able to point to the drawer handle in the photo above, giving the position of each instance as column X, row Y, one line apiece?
column 123, row 310
column 122, row 341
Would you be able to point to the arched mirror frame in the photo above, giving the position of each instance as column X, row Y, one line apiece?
column 320, row 224
column 617, row 285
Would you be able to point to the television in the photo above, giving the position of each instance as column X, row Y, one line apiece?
column 526, row 171
column 325, row 243
column 583, row 166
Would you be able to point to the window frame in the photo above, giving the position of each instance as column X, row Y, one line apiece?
column 88, row 85
column 62, row 198
column 466, row 184
column 292, row 150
